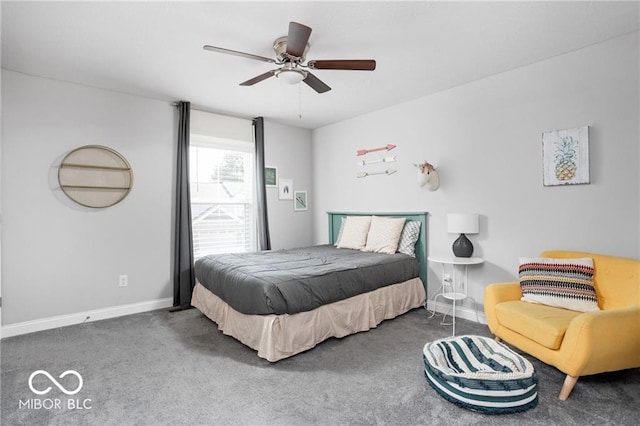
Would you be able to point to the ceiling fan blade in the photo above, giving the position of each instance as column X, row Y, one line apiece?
column 343, row 64
column 315, row 83
column 259, row 78
column 236, row 53
column 297, row 39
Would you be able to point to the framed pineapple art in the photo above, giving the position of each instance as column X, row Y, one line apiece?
column 566, row 156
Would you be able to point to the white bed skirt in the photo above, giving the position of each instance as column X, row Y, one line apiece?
column 276, row 337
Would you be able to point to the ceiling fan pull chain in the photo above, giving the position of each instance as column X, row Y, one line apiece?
column 300, row 101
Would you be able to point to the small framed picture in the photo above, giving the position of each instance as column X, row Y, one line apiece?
column 285, row 189
column 271, row 176
column 300, row 201
column 566, row 157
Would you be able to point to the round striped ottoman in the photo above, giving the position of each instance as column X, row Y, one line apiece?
column 480, row 374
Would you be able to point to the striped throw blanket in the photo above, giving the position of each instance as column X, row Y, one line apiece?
column 480, row 374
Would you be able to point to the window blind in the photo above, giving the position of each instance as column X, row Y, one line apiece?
column 222, row 176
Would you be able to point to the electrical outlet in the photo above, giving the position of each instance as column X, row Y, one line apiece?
column 123, row 281
column 447, row 278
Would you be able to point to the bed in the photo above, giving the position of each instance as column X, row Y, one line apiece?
column 284, row 302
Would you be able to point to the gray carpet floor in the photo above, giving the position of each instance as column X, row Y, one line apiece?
column 161, row 368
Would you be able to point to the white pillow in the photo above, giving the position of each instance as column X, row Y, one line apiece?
column 384, row 234
column 354, row 234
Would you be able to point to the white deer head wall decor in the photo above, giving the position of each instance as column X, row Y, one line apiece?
column 428, row 176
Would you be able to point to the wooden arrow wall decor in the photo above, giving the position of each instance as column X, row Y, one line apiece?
column 382, row 172
column 382, row 160
column 388, row 147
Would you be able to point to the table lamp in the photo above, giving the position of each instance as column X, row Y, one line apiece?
column 463, row 223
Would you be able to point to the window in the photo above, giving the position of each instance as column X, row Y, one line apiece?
column 222, row 195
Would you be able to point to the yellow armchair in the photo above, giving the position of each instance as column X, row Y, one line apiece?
column 576, row 343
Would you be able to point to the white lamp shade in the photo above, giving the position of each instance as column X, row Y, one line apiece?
column 463, row 223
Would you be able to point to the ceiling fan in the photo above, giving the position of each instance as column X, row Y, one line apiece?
column 290, row 55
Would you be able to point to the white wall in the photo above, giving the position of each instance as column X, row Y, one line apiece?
column 60, row 259
column 0, row 204
column 485, row 140
column 289, row 149
column 57, row 257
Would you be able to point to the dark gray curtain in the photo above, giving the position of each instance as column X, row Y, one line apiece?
column 264, row 241
column 183, row 274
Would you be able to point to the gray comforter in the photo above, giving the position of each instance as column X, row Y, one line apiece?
column 299, row 280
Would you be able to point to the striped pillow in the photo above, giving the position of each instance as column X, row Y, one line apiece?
column 340, row 231
column 563, row 283
column 410, row 234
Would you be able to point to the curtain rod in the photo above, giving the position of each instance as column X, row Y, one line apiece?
column 177, row 103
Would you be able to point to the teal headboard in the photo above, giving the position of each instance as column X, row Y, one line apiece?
column 335, row 220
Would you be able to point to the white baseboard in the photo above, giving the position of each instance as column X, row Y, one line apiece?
column 464, row 312
column 80, row 317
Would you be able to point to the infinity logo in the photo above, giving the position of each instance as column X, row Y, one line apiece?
column 55, row 382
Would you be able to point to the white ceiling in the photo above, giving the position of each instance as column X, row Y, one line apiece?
column 154, row 49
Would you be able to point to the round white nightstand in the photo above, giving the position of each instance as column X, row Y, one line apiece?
column 455, row 284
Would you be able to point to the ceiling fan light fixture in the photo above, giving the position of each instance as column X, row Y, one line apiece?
column 291, row 75
column 291, row 51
